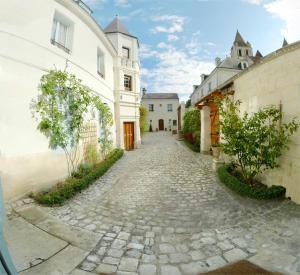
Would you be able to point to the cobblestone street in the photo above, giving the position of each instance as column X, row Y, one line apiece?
column 161, row 210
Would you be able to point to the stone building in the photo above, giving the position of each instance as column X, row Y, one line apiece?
column 162, row 110
column 61, row 34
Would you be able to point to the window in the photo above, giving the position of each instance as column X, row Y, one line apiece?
column 247, row 52
column 100, row 63
column 127, row 82
column 174, row 122
column 240, row 52
column 125, row 52
column 151, row 108
column 61, row 35
column 170, row 108
column 209, row 86
column 202, row 92
column 245, row 65
column 160, row 105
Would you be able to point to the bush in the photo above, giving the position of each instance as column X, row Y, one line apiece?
column 91, row 154
column 246, row 190
column 193, row 147
column 191, row 126
column 84, row 177
column 143, row 119
column 254, row 141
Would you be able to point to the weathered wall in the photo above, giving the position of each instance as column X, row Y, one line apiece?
column 277, row 80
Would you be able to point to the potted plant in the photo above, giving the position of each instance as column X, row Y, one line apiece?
column 216, row 150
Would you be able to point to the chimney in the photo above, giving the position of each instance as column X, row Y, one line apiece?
column 217, row 61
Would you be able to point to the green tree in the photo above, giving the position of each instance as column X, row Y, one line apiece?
column 255, row 141
column 143, row 118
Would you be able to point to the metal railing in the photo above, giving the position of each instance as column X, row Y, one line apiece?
column 84, row 6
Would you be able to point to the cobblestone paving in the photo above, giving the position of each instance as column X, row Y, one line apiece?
column 162, row 211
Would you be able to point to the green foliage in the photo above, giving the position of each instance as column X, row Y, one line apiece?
column 193, row 147
column 247, row 190
column 68, row 189
column 91, row 154
column 191, row 126
column 61, row 109
column 254, row 141
column 143, row 118
column 106, row 121
column 82, row 170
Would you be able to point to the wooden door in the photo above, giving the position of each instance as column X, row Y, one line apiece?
column 214, row 123
column 128, row 135
column 161, row 125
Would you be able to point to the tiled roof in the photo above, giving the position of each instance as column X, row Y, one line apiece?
column 160, row 96
column 116, row 26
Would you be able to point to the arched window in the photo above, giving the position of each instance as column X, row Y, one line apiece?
column 240, row 52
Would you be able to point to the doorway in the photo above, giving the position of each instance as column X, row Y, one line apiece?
column 128, row 135
column 161, row 125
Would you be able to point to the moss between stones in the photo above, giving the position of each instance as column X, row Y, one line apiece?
column 246, row 190
column 61, row 192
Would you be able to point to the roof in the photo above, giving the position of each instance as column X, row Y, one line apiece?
column 160, row 96
column 284, row 43
column 116, row 26
column 240, row 41
column 230, row 63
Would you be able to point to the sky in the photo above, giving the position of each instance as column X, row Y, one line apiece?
column 180, row 39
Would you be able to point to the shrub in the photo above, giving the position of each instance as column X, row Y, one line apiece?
column 262, row 192
column 61, row 192
column 143, row 119
column 254, row 141
column 193, row 147
column 191, row 126
column 91, row 154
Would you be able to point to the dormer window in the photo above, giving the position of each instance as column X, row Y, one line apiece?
column 125, row 52
column 61, row 34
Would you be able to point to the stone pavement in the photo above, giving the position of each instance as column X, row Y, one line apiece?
column 161, row 210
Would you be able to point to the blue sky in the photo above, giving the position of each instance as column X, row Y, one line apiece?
column 180, row 38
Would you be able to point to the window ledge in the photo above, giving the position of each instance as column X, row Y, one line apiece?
column 53, row 42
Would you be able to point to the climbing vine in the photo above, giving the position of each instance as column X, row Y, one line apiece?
column 61, row 109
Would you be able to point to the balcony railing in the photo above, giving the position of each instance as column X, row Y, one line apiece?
column 84, row 6
column 128, row 63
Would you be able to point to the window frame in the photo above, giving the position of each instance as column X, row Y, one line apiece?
column 129, row 87
column 170, row 109
column 152, row 107
column 59, row 23
column 100, row 65
column 128, row 52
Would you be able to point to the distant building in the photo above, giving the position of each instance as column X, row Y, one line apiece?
column 162, row 110
column 241, row 57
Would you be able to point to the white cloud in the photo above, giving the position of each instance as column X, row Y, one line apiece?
column 254, row 2
column 289, row 12
column 174, row 23
column 175, row 71
column 122, row 3
column 172, row 37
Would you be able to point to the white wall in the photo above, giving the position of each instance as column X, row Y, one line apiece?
column 161, row 112
column 26, row 163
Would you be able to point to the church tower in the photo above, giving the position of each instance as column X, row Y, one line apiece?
column 241, row 50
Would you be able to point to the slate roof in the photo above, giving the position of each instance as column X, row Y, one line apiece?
column 116, row 26
column 160, row 96
column 230, row 63
column 240, row 41
column 284, row 43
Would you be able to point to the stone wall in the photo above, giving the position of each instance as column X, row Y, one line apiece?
column 276, row 80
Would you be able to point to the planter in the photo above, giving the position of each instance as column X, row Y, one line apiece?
column 216, row 150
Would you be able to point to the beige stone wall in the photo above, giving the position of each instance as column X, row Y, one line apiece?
column 277, row 80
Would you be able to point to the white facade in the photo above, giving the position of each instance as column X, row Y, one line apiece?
column 26, row 53
column 164, row 109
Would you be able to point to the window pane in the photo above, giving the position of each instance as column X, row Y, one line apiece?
column 127, row 82
column 170, row 107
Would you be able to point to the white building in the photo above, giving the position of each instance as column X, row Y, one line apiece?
column 240, row 58
column 162, row 110
column 36, row 36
